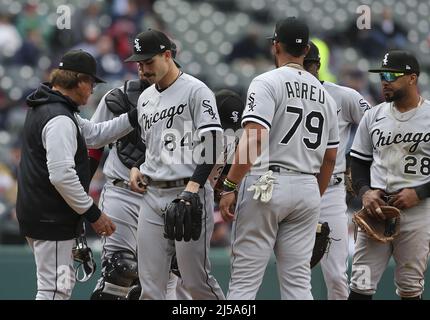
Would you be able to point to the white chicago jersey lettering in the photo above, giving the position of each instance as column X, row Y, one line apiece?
column 350, row 109
column 397, row 144
column 300, row 115
column 172, row 122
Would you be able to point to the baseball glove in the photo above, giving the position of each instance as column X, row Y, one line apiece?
column 383, row 227
column 183, row 217
column 322, row 241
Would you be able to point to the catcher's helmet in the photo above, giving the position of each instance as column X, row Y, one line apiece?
column 313, row 54
column 230, row 107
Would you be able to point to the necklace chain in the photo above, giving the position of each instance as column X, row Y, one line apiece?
column 293, row 65
column 394, row 113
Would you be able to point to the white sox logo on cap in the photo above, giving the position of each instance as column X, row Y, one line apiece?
column 137, row 45
column 235, row 116
column 385, row 61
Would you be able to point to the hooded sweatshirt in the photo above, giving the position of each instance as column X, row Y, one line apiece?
column 54, row 176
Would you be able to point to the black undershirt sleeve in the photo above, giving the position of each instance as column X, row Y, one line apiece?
column 213, row 146
column 423, row 191
column 360, row 172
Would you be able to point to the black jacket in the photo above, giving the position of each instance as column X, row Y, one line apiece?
column 42, row 212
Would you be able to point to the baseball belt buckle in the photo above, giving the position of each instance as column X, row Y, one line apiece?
column 335, row 180
column 388, row 198
column 144, row 182
column 121, row 184
column 390, row 224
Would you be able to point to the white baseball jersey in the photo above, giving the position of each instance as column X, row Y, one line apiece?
column 172, row 122
column 350, row 109
column 397, row 144
column 300, row 115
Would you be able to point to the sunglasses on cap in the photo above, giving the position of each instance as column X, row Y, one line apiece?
column 390, row 76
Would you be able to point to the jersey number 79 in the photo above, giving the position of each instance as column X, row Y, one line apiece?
column 310, row 127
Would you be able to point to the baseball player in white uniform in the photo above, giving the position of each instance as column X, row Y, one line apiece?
column 174, row 114
column 351, row 107
column 120, row 278
column 390, row 163
column 279, row 209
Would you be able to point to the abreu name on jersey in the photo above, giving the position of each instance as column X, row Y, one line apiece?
column 304, row 91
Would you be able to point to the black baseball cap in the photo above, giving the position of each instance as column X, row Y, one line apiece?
column 313, row 54
column 174, row 50
column 148, row 44
column 399, row 61
column 292, row 31
column 80, row 61
column 230, row 108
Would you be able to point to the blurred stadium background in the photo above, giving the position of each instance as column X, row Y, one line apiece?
column 222, row 42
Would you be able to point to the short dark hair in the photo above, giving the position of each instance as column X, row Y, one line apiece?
column 295, row 51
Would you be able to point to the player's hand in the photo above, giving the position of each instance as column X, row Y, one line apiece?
column 372, row 201
column 103, row 226
column 137, row 181
column 227, row 205
column 405, row 199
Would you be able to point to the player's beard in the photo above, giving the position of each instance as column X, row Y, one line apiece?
column 395, row 95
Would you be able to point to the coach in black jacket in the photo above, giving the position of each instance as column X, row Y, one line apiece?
column 54, row 174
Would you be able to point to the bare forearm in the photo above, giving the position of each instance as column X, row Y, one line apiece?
column 326, row 169
column 245, row 156
column 238, row 171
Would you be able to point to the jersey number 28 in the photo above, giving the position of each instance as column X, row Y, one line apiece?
column 412, row 168
column 310, row 127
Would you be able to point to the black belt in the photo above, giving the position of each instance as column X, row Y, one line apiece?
column 159, row 184
column 169, row 184
column 279, row 169
column 121, row 184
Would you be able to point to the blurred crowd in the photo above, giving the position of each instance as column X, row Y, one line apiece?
column 31, row 44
